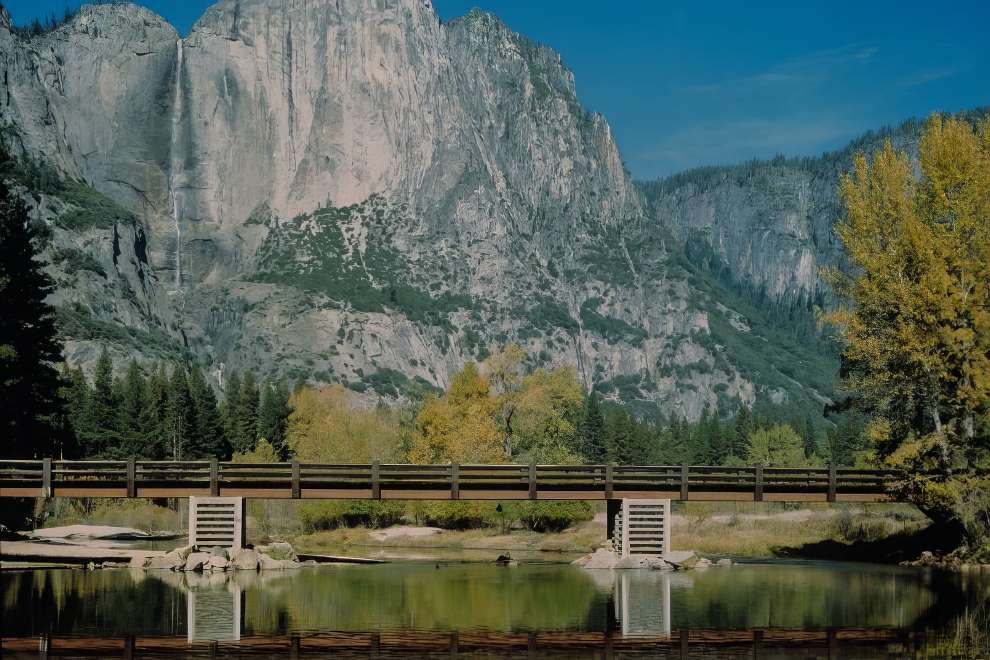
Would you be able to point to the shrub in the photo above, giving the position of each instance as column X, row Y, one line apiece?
column 456, row 515
column 553, row 516
column 350, row 513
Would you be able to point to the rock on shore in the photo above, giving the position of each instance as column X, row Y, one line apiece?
column 676, row 560
column 276, row 556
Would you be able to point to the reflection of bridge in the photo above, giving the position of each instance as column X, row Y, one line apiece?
column 48, row 478
column 683, row 643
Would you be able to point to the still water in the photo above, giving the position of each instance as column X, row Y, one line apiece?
column 773, row 610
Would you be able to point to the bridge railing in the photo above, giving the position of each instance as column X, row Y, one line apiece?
column 161, row 478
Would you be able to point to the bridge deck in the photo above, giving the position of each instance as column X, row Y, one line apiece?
column 48, row 478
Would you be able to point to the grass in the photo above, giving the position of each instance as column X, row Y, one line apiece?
column 762, row 530
column 582, row 538
column 137, row 513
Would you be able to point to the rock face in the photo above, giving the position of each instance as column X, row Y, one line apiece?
column 358, row 192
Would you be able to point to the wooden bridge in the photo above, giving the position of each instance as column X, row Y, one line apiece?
column 131, row 478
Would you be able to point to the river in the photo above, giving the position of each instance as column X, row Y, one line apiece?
column 774, row 609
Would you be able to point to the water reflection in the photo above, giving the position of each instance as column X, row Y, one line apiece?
column 464, row 606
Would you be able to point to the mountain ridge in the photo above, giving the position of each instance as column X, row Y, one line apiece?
column 371, row 196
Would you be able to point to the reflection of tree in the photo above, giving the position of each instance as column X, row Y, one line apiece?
column 89, row 602
column 424, row 598
column 801, row 596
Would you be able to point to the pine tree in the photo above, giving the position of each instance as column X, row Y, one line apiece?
column 591, row 431
column 273, row 416
column 178, row 416
column 246, row 423
column 208, row 438
column 230, row 409
column 738, row 434
column 29, row 383
column 77, row 395
column 102, row 439
column 130, row 403
column 153, row 413
column 619, row 431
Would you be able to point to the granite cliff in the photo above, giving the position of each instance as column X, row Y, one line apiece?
column 360, row 192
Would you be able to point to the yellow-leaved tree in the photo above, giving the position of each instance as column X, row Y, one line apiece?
column 333, row 425
column 460, row 426
column 916, row 324
column 538, row 412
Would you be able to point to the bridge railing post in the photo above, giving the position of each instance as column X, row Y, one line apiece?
column 684, row 482
column 758, row 490
column 455, row 481
column 376, row 484
column 832, row 482
column 609, row 481
column 131, row 477
column 46, row 478
column 296, row 485
column 214, row 477
column 532, row 481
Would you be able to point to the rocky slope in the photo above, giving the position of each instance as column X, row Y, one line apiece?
column 359, row 192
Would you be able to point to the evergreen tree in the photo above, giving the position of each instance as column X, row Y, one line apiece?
column 179, row 421
column 102, row 439
column 130, row 403
column 230, row 409
column 273, row 416
column 208, row 438
column 809, row 436
column 246, row 423
column 153, row 414
column 738, row 434
column 31, row 424
column 77, row 396
column 591, row 431
column 619, row 433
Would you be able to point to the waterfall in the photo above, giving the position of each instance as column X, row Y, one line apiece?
column 175, row 165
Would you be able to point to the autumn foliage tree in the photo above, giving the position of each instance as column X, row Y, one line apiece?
column 916, row 326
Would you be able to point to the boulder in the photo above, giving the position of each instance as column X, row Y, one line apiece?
column 178, row 556
column 162, row 563
column 600, row 559
column 640, row 561
column 702, row 563
column 196, row 560
column 139, row 561
column 681, row 559
column 266, row 563
column 243, row 559
column 218, row 563
column 725, row 561
column 219, row 551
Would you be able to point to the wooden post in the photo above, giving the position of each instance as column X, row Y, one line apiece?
column 295, row 649
column 609, row 482
column 131, row 477
column 296, row 486
column 532, row 481
column 46, row 478
column 214, row 477
column 757, row 644
column 376, row 486
column 685, row 644
column 758, row 492
column 455, row 481
column 832, row 482
column 684, row 482
column 454, row 643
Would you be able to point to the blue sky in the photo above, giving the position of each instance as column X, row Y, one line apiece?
column 686, row 84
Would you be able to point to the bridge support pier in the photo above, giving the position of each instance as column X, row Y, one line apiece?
column 217, row 521
column 639, row 526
